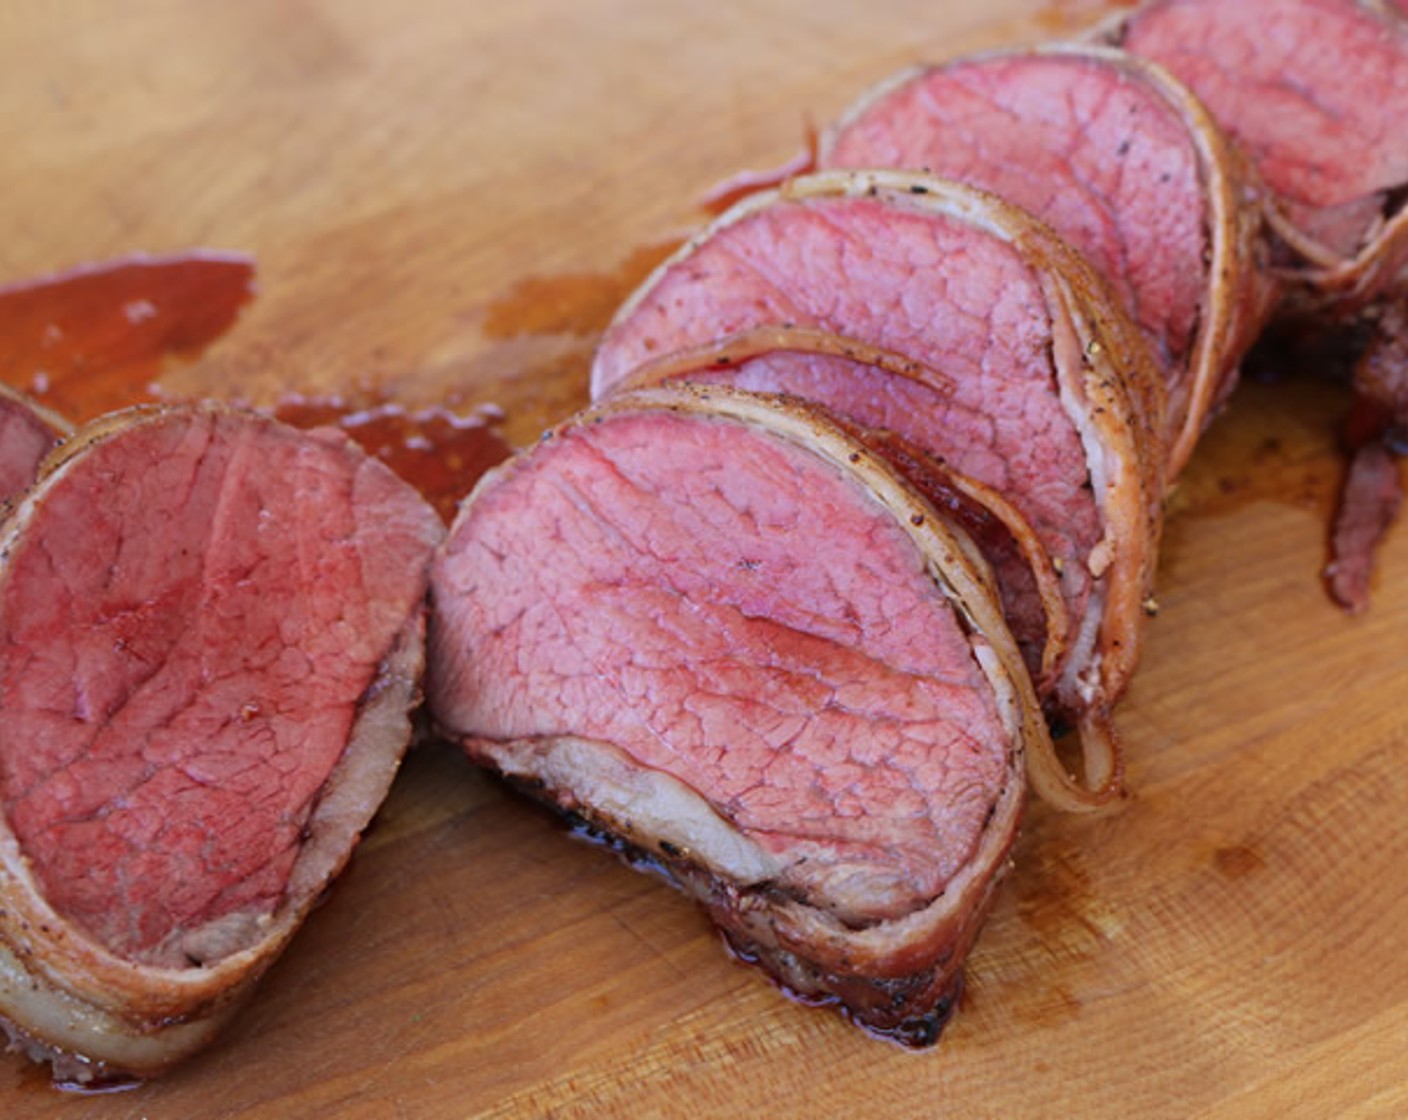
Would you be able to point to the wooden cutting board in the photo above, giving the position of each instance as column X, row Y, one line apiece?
column 445, row 200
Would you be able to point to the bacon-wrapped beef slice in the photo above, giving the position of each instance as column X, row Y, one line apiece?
column 728, row 635
column 1316, row 92
column 1025, row 375
column 1124, row 163
column 211, row 635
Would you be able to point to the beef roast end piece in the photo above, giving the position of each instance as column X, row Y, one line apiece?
column 1322, row 134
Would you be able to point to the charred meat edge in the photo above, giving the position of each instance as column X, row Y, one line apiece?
column 95, row 1015
column 918, row 956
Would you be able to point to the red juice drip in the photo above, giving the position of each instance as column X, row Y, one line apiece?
column 439, row 452
column 93, row 340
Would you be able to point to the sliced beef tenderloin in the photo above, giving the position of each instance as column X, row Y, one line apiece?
column 28, row 432
column 726, row 634
column 1316, row 91
column 1122, row 161
column 1026, row 376
column 211, row 635
column 1030, row 593
column 845, row 376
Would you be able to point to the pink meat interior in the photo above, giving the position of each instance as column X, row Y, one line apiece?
column 24, row 440
column 957, row 299
column 729, row 609
column 1315, row 90
column 880, row 399
column 188, row 626
column 1095, row 153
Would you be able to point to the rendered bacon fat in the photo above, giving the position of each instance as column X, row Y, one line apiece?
column 211, row 633
column 722, row 631
column 1123, row 162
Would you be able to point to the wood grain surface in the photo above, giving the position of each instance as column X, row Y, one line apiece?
column 445, row 200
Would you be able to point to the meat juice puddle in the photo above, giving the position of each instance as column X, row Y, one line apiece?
column 96, row 339
column 580, row 304
column 541, row 333
column 93, row 340
column 439, row 451
column 34, row 1078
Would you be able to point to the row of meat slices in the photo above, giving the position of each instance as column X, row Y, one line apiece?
column 698, row 616
column 869, row 499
